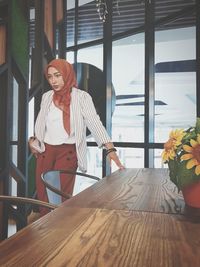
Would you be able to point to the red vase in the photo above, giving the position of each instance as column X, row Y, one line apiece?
column 191, row 194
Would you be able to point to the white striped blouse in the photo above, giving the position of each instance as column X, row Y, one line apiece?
column 84, row 115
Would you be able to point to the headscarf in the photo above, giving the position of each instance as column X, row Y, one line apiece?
column 62, row 97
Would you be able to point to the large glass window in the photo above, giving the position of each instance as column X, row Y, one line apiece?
column 174, row 94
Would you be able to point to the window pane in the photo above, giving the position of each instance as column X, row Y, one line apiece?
column 175, row 80
column 90, row 27
column 70, row 57
column 128, row 82
column 91, row 55
column 13, row 187
column 94, row 157
column 14, row 151
column 158, row 163
column 31, row 118
column 15, row 110
column 70, row 22
column 32, row 27
column 127, row 15
column 170, row 7
column 12, row 227
column 90, row 75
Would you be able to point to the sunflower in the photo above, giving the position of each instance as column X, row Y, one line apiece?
column 175, row 138
column 193, row 155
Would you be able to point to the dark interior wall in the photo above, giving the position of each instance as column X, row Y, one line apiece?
column 3, row 107
column 20, row 71
column 19, row 28
column 16, row 19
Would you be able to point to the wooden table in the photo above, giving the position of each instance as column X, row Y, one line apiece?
column 131, row 218
column 133, row 189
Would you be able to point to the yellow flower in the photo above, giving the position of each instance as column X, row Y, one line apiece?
column 168, row 154
column 175, row 138
column 193, row 155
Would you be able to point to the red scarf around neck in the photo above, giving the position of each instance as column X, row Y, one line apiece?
column 62, row 98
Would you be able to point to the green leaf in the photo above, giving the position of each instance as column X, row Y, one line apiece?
column 191, row 134
column 198, row 125
column 181, row 176
column 173, row 168
column 178, row 172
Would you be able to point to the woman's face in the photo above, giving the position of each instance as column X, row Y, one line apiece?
column 55, row 79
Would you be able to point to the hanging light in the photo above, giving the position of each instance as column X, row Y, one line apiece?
column 102, row 9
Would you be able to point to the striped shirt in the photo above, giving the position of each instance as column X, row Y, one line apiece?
column 84, row 115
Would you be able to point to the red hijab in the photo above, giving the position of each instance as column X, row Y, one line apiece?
column 62, row 98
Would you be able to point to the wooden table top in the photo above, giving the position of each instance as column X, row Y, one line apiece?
column 112, row 231
column 133, row 189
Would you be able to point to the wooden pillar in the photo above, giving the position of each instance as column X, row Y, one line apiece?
column 2, row 44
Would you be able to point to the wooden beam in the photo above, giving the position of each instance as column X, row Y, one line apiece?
column 2, row 44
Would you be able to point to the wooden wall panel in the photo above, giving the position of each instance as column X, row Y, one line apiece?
column 48, row 21
column 59, row 11
column 2, row 44
column 19, row 35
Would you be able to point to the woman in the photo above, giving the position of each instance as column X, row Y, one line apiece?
column 60, row 129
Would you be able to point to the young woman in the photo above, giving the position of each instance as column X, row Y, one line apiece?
column 60, row 128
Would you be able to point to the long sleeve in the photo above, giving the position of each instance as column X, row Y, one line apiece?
column 93, row 122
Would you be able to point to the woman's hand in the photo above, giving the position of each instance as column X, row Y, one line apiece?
column 113, row 156
column 33, row 151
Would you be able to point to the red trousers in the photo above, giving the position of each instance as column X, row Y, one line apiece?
column 56, row 157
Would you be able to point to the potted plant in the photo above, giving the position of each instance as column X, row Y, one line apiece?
column 182, row 154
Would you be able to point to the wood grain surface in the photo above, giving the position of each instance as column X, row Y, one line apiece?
column 133, row 189
column 102, row 238
column 132, row 218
